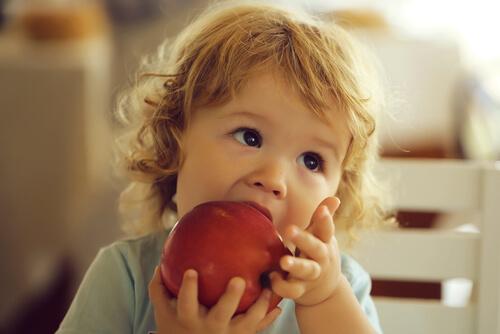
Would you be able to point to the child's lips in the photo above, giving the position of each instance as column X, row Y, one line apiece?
column 261, row 209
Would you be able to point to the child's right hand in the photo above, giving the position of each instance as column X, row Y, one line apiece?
column 186, row 315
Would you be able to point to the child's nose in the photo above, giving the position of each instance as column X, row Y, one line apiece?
column 270, row 179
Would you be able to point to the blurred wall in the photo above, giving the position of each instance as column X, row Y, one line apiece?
column 54, row 146
column 58, row 195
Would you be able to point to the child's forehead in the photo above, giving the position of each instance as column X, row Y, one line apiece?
column 272, row 81
column 330, row 131
column 272, row 104
column 271, row 96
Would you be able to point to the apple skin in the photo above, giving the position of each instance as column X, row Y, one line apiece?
column 221, row 240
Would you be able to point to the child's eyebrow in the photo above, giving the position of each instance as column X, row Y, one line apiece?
column 244, row 113
column 328, row 145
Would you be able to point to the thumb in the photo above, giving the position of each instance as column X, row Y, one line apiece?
column 332, row 203
column 322, row 225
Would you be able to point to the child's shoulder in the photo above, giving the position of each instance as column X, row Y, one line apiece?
column 146, row 243
column 353, row 271
column 137, row 253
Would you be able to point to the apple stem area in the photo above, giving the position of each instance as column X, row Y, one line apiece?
column 265, row 281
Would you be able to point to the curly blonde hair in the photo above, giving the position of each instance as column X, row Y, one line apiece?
column 207, row 64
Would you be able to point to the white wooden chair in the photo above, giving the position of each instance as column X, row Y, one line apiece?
column 467, row 189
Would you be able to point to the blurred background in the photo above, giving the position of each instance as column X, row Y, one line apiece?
column 62, row 63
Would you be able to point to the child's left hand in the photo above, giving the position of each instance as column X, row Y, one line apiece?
column 313, row 276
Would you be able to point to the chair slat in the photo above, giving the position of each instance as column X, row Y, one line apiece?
column 433, row 185
column 413, row 316
column 459, row 187
column 414, row 254
column 489, row 277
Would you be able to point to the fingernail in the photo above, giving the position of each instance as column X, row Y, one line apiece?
column 294, row 231
column 327, row 211
column 338, row 205
column 190, row 273
column 238, row 283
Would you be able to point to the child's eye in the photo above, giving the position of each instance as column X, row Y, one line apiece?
column 247, row 136
column 312, row 161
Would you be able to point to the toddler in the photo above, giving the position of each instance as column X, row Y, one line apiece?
column 252, row 102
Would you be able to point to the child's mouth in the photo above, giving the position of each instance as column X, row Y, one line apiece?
column 261, row 209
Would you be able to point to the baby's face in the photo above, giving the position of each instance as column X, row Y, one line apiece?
column 263, row 146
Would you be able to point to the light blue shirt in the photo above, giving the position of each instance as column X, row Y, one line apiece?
column 113, row 296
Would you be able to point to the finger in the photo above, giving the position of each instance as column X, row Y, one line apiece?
column 323, row 227
column 292, row 288
column 332, row 204
column 159, row 295
column 268, row 319
column 308, row 244
column 319, row 226
column 299, row 268
column 187, row 300
column 258, row 310
column 225, row 308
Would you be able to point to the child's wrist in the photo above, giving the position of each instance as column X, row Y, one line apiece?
column 340, row 287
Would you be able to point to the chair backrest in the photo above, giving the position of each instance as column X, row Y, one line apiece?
column 466, row 189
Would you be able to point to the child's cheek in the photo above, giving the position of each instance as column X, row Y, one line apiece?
column 314, row 181
column 299, row 214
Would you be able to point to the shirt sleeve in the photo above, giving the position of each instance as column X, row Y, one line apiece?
column 104, row 302
column 361, row 285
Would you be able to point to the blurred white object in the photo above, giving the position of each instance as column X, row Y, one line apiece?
column 440, row 254
column 480, row 129
column 457, row 292
column 54, row 102
column 422, row 78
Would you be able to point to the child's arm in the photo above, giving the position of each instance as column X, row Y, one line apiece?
column 325, row 303
column 341, row 313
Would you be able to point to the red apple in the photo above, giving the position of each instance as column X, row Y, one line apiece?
column 221, row 240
